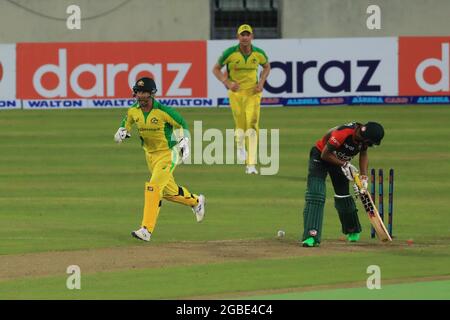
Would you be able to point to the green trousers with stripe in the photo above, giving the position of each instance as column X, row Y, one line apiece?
column 315, row 196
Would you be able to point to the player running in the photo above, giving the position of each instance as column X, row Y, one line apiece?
column 245, row 91
column 155, row 123
column 332, row 155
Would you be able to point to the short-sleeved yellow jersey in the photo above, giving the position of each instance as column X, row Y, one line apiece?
column 241, row 68
column 155, row 127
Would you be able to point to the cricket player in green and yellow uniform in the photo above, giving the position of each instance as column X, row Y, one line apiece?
column 244, row 91
column 156, row 124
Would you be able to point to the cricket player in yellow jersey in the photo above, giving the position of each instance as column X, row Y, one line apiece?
column 244, row 91
column 156, row 124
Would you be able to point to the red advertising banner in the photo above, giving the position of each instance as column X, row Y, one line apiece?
column 424, row 66
column 108, row 70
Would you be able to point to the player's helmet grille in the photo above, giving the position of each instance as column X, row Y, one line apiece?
column 373, row 132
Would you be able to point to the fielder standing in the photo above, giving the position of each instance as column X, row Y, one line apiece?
column 156, row 123
column 332, row 155
column 244, row 91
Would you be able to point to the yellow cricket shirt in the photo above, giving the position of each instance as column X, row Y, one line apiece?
column 241, row 68
column 155, row 127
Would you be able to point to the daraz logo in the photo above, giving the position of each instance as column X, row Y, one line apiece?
column 69, row 78
column 1, row 71
column 424, row 66
column 442, row 65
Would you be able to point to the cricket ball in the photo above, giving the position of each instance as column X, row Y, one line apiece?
column 410, row 242
column 281, row 234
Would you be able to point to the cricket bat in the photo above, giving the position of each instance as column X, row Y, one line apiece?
column 372, row 212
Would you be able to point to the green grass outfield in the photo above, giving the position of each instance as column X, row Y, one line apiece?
column 427, row 290
column 66, row 186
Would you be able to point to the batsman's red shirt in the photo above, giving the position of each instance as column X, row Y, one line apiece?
column 341, row 141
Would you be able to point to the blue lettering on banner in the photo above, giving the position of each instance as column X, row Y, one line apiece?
column 287, row 70
column 367, row 100
column 105, row 103
column 372, row 66
column 434, row 99
column 199, row 102
column 296, row 72
column 8, row 104
column 202, row 102
column 44, row 104
column 301, row 101
column 223, row 101
column 345, row 85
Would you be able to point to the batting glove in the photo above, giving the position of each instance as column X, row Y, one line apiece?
column 121, row 135
column 183, row 144
column 349, row 170
column 364, row 182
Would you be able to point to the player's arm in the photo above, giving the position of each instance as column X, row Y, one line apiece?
column 363, row 168
column 174, row 118
column 125, row 128
column 329, row 151
column 363, row 162
column 127, row 121
column 179, row 124
column 328, row 155
column 264, row 63
column 217, row 71
column 263, row 77
column 232, row 85
column 223, row 60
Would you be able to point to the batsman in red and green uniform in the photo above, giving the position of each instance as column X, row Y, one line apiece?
column 331, row 155
column 156, row 124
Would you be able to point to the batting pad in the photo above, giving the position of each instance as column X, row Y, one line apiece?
column 151, row 206
column 314, row 204
column 348, row 214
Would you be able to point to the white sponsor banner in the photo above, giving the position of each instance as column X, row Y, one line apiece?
column 10, row 104
column 171, row 102
column 321, row 67
column 105, row 103
column 7, row 71
column 188, row 102
column 55, row 104
column 109, row 103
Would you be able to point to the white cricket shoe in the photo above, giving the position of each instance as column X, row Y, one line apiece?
column 142, row 234
column 251, row 170
column 242, row 154
column 199, row 209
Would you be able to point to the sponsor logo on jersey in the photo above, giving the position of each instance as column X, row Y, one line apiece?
column 334, row 141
